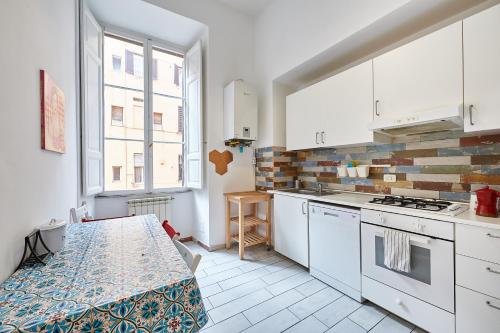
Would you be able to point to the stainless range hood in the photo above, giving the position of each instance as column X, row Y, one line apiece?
column 435, row 120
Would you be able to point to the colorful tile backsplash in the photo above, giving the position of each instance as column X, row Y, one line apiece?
column 440, row 165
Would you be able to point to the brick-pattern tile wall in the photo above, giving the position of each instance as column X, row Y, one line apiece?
column 275, row 168
column 441, row 165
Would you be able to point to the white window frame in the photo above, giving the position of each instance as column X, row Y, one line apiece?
column 148, row 43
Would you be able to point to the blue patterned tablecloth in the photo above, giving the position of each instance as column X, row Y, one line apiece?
column 124, row 275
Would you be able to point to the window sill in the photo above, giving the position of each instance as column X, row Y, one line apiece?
column 137, row 194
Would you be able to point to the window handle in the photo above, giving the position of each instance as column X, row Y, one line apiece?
column 323, row 137
column 376, row 107
column 317, row 142
column 489, row 269
column 492, row 306
column 471, row 107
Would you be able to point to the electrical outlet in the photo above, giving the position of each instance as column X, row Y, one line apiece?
column 390, row 178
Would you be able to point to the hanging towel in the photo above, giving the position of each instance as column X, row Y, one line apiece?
column 397, row 250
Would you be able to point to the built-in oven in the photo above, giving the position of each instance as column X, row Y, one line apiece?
column 431, row 276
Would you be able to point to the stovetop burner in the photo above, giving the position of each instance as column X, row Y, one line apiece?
column 416, row 203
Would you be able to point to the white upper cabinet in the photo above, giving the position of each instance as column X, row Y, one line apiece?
column 333, row 112
column 423, row 75
column 348, row 108
column 303, row 118
column 482, row 71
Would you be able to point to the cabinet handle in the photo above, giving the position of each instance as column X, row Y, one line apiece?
column 470, row 114
column 489, row 269
column 330, row 214
column 317, row 142
column 304, row 212
column 376, row 107
column 492, row 306
column 323, row 137
column 492, row 236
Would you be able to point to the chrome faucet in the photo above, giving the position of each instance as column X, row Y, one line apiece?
column 320, row 188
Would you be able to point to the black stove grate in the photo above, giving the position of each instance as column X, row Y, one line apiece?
column 416, row 203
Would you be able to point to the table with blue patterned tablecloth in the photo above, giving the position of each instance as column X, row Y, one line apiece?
column 122, row 275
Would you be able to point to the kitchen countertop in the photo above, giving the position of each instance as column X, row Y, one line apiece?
column 360, row 200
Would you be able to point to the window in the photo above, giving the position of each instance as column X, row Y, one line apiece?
column 177, row 75
column 158, row 121
column 171, row 157
column 149, row 146
column 117, row 173
column 116, row 115
column 117, row 63
column 138, row 175
column 138, row 168
column 180, row 119
column 134, row 63
column 154, row 69
column 123, row 99
column 180, row 159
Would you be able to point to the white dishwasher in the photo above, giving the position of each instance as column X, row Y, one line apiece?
column 335, row 247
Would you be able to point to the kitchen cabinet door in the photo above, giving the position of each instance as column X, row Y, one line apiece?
column 303, row 118
column 422, row 75
column 348, row 108
column 482, row 71
column 291, row 237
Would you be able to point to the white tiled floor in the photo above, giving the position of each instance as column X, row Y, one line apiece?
column 268, row 293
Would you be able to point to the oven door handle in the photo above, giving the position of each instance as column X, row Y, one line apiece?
column 415, row 239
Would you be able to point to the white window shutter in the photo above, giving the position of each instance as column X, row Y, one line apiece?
column 92, row 103
column 194, row 115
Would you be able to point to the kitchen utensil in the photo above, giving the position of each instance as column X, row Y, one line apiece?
column 487, row 202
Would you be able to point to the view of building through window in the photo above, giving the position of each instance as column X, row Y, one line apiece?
column 126, row 167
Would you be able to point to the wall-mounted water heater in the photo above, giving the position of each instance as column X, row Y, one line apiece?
column 240, row 114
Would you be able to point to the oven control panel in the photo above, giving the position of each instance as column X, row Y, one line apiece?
column 418, row 225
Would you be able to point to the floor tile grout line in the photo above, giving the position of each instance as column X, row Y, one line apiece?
column 245, row 273
column 378, row 322
column 242, row 264
column 235, row 298
column 312, row 314
column 350, row 313
column 355, row 323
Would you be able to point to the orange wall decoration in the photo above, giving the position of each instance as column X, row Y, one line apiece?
column 221, row 160
column 52, row 110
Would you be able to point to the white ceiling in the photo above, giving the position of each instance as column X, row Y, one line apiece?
column 147, row 19
column 249, row 7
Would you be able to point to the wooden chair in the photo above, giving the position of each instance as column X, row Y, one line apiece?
column 191, row 259
column 80, row 213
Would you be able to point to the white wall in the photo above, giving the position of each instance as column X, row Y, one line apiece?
column 290, row 32
column 36, row 185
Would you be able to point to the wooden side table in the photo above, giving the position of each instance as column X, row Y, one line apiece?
column 249, row 237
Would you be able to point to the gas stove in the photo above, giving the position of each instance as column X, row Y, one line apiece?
column 429, row 205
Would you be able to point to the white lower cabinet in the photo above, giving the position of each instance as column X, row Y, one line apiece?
column 477, row 279
column 418, row 312
column 291, row 237
column 477, row 312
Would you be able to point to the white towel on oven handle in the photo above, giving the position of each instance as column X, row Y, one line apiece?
column 397, row 250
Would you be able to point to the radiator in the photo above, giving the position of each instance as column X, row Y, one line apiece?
column 160, row 206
